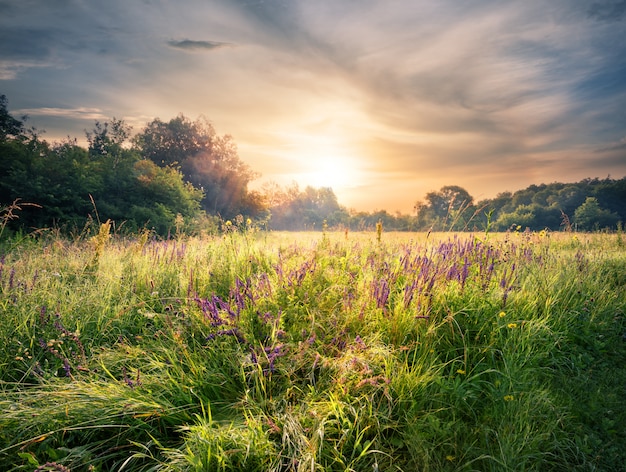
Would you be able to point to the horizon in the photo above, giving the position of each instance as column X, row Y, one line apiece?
column 381, row 103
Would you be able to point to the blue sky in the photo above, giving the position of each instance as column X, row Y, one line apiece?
column 381, row 100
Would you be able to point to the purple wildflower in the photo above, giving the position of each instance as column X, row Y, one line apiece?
column 464, row 272
column 127, row 379
column 359, row 342
column 381, row 292
column 66, row 367
column 253, row 356
column 409, row 289
column 43, row 319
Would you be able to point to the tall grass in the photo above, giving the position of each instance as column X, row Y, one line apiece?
column 314, row 352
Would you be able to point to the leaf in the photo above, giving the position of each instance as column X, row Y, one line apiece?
column 30, row 458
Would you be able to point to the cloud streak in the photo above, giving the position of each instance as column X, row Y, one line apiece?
column 191, row 45
column 73, row 113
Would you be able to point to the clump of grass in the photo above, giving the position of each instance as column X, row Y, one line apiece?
column 281, row 352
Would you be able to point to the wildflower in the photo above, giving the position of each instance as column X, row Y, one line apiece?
column 502, row 314
column 508, row 398
column 52, row 466
column 359, row 342
column 512, row 325
column 460, row 371
column 450, row 458
column 381, row 292
column 67, row 368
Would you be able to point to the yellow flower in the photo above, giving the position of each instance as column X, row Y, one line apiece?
column 460, row 371
column 450, row 458
column 509, row 398
column 502, row 314
column 512, row 325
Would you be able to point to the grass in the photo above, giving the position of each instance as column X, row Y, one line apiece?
column 314, row 352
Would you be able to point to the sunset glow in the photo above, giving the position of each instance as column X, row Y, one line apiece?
column 382, row 101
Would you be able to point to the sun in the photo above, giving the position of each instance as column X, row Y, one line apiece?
column 334, row 171
column 326, row 161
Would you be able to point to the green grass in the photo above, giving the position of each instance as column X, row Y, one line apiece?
column 314, row 352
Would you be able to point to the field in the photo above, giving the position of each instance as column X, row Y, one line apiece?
column 328, row 351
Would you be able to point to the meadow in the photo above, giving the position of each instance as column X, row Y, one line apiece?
column 327, row 351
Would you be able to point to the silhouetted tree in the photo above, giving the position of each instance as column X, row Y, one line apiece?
column 10, row 127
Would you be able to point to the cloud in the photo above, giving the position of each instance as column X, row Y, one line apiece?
column 619, row 146
column 191, row 45
column 10, row 69
column 608, row 10
column 70, row 113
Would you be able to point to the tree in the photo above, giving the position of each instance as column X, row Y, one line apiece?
column 449, row 208
column 294, row 209
column 210, row 162
column 107, row 139
column 590, row 215
column 448, row 198
column 10, row 127
column 175, row 141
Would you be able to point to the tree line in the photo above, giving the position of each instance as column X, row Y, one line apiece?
column 173, row 175
column 588, row 205
column 181, row 176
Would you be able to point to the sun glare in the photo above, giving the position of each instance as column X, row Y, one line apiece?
column 336, row 172
column 325, row 161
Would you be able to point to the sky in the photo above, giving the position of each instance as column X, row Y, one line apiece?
column 384, row 101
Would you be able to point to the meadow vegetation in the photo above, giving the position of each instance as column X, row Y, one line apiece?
column 327, row 351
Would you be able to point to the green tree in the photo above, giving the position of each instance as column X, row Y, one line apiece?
column 449, row 208
column 590, row 215
column 210, row 162
column 175, row 141
column 107, row 139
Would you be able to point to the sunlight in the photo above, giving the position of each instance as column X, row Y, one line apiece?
column 336, row 172
column 326, row 161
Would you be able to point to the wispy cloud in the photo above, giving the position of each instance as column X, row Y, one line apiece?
column 618, row 146
column 70, row 113
column 191, row 45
